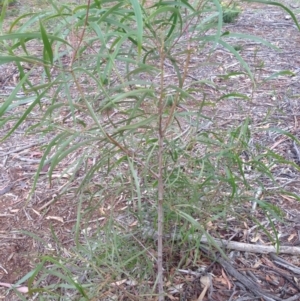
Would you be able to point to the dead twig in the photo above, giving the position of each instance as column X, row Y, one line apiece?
column 247, row 282
column 285, row 264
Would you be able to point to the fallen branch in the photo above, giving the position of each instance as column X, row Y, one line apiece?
column 246, row 281
column 285, row 264
column 245, row 247
column 231, row 245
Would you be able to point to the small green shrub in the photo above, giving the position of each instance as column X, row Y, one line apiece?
column 230, row 13
column 119, row 115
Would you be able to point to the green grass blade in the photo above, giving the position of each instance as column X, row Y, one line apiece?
column 47, row 44
column 139, row 22
column 280, row 5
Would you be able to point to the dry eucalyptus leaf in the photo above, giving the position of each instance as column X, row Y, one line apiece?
column 206, row 282
column 21, row 289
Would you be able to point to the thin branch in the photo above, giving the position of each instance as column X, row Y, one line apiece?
column 82, row 33
column 160, row 213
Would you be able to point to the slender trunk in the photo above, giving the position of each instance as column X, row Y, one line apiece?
column 160, row 215
column 160, row 219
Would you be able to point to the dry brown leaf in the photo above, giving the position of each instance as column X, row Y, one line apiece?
column 220, row 280
column 292, row 236
column 57, row 218
column 117, row 283
column 206, row 282
column 36, row 212
column 257, row 264
column 36, row 155
column 133, row 224
column 21, row 289
column 63, row 176
column 257, row 238
column 226, row 279
column 288, row 198
column 277, row 143
column 102, row 211
column 210, row 226
column 268, row 278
